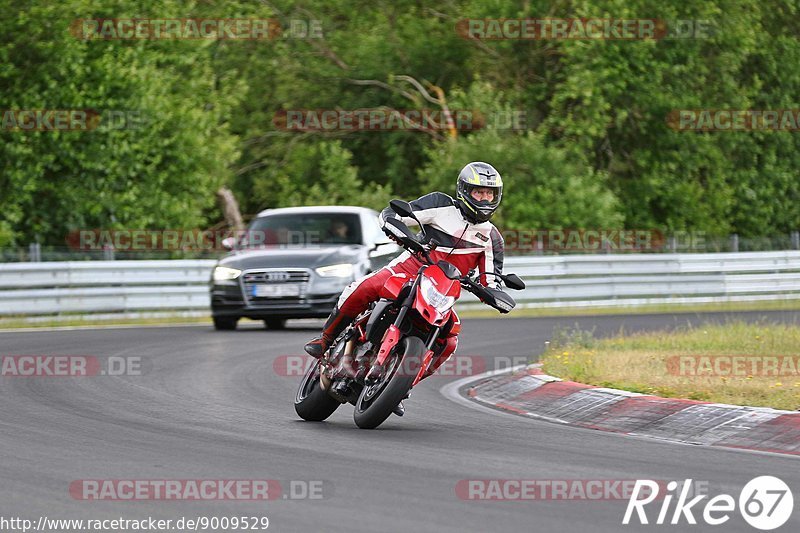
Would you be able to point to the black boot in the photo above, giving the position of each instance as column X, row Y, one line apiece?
column 333, row 326
column 400, row 409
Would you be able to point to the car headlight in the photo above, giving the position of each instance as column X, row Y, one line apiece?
column 226, row 274
column 435, row 298
column 343, row 270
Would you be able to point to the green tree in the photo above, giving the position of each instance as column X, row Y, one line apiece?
column 159, row 172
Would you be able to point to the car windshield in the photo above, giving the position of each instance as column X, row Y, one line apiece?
column 303, row 230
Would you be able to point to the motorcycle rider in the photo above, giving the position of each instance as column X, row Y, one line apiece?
column 465, row 238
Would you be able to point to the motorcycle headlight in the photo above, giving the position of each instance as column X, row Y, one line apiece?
column 226, row 274
column 435, row 298
column 343, row 270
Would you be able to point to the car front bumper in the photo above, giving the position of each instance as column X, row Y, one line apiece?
column 317, row 299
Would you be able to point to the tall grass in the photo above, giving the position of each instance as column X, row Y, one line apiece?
column 640, row 362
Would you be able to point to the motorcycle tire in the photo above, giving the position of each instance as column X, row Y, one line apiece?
column 372, row 412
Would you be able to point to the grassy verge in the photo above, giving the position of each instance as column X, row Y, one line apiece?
column 683, row 363
column 777, row 305
column 89, row 321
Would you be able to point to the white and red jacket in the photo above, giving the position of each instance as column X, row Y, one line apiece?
column 464, row 244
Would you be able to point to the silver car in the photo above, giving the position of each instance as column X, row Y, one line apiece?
column 294, row 262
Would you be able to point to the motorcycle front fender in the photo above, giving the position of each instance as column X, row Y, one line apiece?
column 390, row 340
column 423, row 368
column 377, row 313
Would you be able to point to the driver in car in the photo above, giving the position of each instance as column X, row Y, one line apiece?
column 338, row 232
column 465, row 238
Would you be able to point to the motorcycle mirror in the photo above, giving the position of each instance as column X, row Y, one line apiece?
column 402, row 208
column 513, row 281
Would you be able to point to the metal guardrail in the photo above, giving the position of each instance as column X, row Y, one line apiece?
column 553, row 281
column 641, row 279
column 103, row 286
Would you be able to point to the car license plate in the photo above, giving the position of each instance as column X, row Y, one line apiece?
column 282, row 290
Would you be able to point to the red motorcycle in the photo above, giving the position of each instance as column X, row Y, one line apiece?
column 389, row 348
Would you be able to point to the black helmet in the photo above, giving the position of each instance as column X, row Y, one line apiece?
column 478, row 174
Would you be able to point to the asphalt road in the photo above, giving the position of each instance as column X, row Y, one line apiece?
column 210, row 405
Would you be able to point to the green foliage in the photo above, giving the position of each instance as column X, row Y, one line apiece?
column 333, row 180
column 161, row 172
column 544, row 187
column 595, row 151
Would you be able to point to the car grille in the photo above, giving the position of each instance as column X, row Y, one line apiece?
column 275, row 285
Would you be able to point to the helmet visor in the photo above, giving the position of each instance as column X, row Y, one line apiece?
column 483, row 196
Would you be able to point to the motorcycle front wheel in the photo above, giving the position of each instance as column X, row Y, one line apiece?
column 377, row 401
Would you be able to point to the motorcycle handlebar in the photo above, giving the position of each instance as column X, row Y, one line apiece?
column 471, row 286
column 422, row 251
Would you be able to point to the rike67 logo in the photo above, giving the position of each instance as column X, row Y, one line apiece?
column 766, row 503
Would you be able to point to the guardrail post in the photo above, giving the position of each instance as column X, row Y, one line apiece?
column 672, row 244
column 108, row 252
column 735, row 242
column 35, row 252
column 796, row 240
